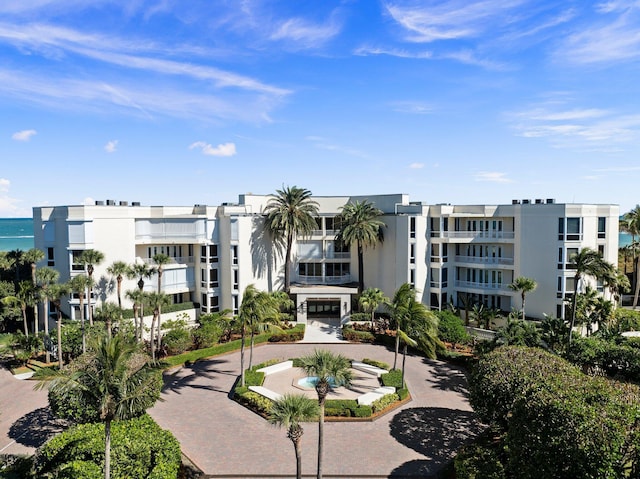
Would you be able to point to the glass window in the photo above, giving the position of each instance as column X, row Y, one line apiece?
column 602, row 227
column 214, row 253
column 574, row 229
column 412, row 227
column 412, row 253
column 50, row 258
column 213, row 278
column 571, row 252
column 76, row 265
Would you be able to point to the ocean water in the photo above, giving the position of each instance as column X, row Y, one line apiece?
column 16, row 233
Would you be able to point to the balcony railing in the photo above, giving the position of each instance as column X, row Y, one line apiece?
column 438, row 284
column 473, row 234
column 169, row 288
column 172, row 260
column 327, row 255
column 345, row 278
column 489, row 286
column 484, row 260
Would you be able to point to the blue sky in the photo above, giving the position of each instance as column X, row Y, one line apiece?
column 183, row 102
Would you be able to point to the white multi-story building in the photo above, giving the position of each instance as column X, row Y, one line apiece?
column 445, row 251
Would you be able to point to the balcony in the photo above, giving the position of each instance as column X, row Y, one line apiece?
column 484, row 260
column 438, row 284
column 344, row 279
column 493, row 235
column 179, row 260
column 483, row 286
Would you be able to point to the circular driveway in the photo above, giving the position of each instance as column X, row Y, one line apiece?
column 225, row 439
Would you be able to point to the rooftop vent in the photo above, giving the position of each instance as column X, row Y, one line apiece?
column 539, row 201
column 526, row 202
column 550, row 201
column 99, row 203
column 515, row 202
column 124, row 203
column 135, row 203
column 111, row 202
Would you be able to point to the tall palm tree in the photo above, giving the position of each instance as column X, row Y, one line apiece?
column 256, row 308
column 56, row 292
column 141, row 271
column 630, row 223
column 523, row 285
column 117, row 380
column 327, row 367
column 155, row 301
column 46, row 277
column 618, row 284
column 289, row 412
column 586, row 262
column 91, row 258
column 291, row 212
column 160, row 260
column 33, row 256
column 15, row 258
column 119, row 270
column 109, row 312
column 79, row 284
column 370, row 300
column 137, row 298
column 24, row 298
column 359, row 223
column 398, row 307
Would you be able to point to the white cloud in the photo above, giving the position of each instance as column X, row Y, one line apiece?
column 325, row 144
column 414, row 107
column 224, row 149
column 9, row 207
column 111, row 146
column 416, row 166
column 492, row 176
column 304, row 33
column 88, row 201
column 24, row 135
column 4, row 185
column 392, row 52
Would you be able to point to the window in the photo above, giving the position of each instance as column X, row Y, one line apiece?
column 412, row 253
column 445, row 277
column 215, row 304
column 559, row 287
column 203, row 254
column 50, row 258
column 561, row 229
column 560, row 260
column 601, row 250
column 213, row 278
column 236, row 281
column 445, row 252
column 569, row 285
column 234, row 254
column 310, row 269
column 412, row 277
column 76, row 265
column 602, row 227
column 203, row 306
column 203, row 277
column 412, row 227
column 213, row 249
column 337, row 269
column 234, row 303
column 574, row 229
column 328, row 223
column 571, row 252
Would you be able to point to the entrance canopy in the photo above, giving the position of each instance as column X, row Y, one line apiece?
column 320, row 301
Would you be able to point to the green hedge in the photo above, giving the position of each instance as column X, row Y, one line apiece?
column 351, row 334
column 289, row 335
column 360, row 317
column 451, row 328
column 377, row 364
column 139, row 448
column 616, row 360
column 393, row 378
column 384, row 402
column 254, row 401
column 172, row 308
column 402, row 394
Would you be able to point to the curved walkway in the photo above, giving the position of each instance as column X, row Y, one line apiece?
column 226, row 440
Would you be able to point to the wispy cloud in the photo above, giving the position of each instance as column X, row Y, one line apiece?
column 618, row 169
column 324, row 144
column 413, row 107
column 492, row 176
column 24, row 135
column 111, row 146
column 9, row 207
column 416, row 166
column 364, row 51
column 305, row 34
column 224, row 149
column 577, row 127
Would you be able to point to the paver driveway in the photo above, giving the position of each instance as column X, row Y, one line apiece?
column 226, row 440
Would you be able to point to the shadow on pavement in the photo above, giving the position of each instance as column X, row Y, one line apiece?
column 35, row 428
column 447, row 377
column 436, row 433
column 192, row 376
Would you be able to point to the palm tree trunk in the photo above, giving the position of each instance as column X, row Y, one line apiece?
column 242, row 356
column 251, row 348
column 296, row 448
column 637, row 275
column 404, row 358
column 360, row 268
column 523, row 315
column 287, row 264
column 119, row 280
column 60, row 363
column 82, row 325
column 24, row 319
column 395, row 357
column 152, row 341
column 107, row 449
column 574, row 303
column 89, row 304
column 47, row 355
column 320, row 438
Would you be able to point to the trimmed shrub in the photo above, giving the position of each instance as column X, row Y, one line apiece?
column 384, row 402
column 253, row 377
column 377, row 364
column 289, row 335
column 402, row 394
column 451, row 328
column 139, row 448
column 596, row 355
column 177, row 340
column 363, row 411
column 478, row 461
column 255, row 401
column 392, row 378
column 341, row 407
column 207, row 334
column 351, row 334
column 360, row 317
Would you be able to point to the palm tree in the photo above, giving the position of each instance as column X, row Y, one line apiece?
column 291, row 212
column 160, row 260
column 256, row 308
column 618, row 284
column 289, row 412
column 370, row 300
column 33, row 256
column 137, row 298
column 56, row 292
column 630, row 223
column 23, row 299
column 155, row 301
column 587, row 262
column 79, row 284
column 116, row 379
column 141, row 271
column 46, row 278
column 359, row 224
column 118, row 269
column 523, row 285
column 15, row 257
column 91, row 258
column 109, row 312
column 398, row 308
column 326, row 366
